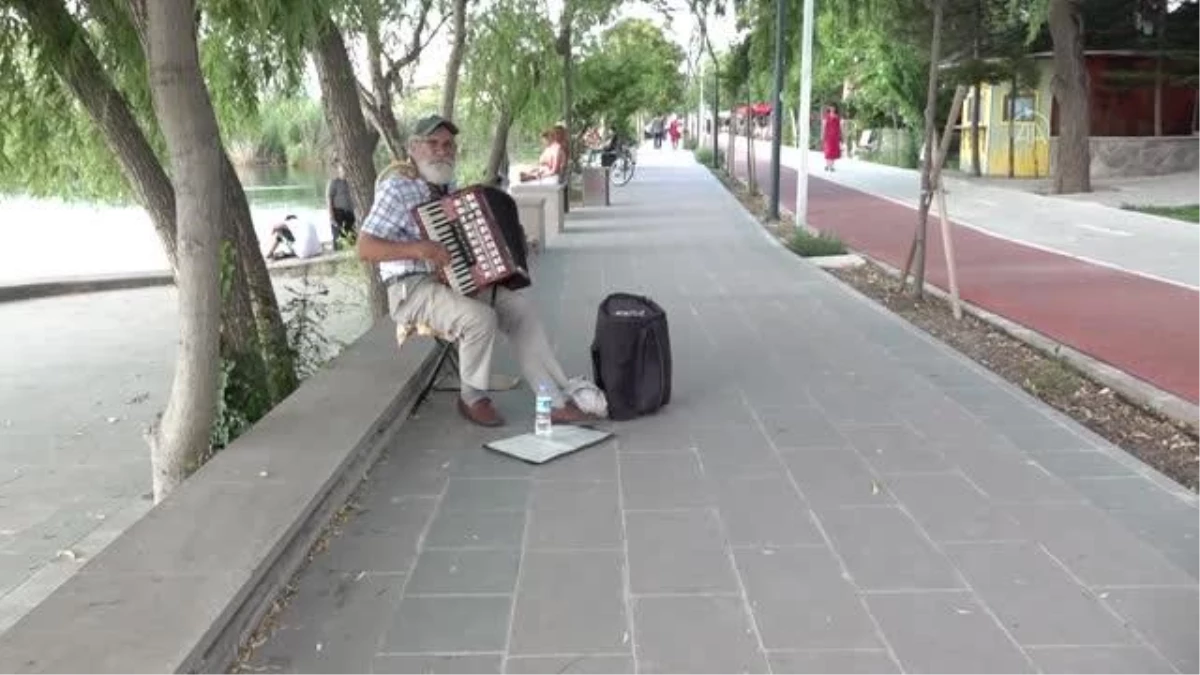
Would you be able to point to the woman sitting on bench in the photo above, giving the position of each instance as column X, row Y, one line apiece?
column 553, row 160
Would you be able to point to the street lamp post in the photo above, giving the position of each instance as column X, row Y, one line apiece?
column 776, row 113
column 803, row 116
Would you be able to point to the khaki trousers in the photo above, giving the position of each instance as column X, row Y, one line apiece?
column 472, row 323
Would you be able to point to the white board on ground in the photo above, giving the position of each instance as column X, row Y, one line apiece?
column 562, row 440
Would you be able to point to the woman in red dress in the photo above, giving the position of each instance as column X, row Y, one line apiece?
column 831, row 136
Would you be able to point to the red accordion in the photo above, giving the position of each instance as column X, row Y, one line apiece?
column 480, row 228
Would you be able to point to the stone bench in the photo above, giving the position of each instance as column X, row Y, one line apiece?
column 183, row 587
column 596, row 190
column 553, row 208
column 531, row 208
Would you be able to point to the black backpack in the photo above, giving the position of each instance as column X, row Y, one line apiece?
column 631, row 355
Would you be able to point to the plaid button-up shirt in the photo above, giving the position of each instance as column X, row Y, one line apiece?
column 390, row 219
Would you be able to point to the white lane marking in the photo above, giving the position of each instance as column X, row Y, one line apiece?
column 1104, row 230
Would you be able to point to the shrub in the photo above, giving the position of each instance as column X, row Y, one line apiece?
column 808, row 245
column 704, row 155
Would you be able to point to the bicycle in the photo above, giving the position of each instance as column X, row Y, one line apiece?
column 623, row 165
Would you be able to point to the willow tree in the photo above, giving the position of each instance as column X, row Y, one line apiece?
column 189, row 126
column 506, row 72
column 632, row 67
column 396, row 33
column 298, row 29
column 80, row 123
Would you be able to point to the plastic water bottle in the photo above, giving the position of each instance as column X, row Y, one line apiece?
column 541, row 420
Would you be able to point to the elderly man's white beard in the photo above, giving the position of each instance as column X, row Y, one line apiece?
column 439, row 172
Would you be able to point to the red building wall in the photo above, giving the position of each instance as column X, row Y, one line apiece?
column 1120, row 107
column 1119, row 110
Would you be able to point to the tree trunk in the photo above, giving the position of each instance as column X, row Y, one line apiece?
column 454, row 64
column 252, row 276
column 731, row 146
column 1158, row 94
column 1160, row 29
column 976, row 164
column 499, row 143
column 935, row 54
column 568, row 122
column 1012, row 128
column 382, row 115
column 1070, row 85
column 564, row 49
column 716, row 114
column 189, row 126
column 976, row 110
column 339, row 95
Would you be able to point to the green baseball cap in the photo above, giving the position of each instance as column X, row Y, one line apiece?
column 430, row 124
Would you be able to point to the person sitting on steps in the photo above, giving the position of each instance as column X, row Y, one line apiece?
column 409, row 265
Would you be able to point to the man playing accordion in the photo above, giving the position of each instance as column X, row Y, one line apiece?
column 408, row 265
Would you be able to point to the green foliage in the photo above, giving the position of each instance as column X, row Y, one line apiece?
column 507, row 66
column 737, row 71
column 230, row 421
column 889, row 76
column 808, row 245
column 241, row 398
column 290, row 131
column 704, row 155
column 632, row 68
column 508, row 69
column 48, row 145
column 1186, row 213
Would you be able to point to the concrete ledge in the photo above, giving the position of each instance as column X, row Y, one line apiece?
column 44, row 288
column 182, row 588
column 833, row 262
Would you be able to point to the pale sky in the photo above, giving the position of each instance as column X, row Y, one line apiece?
column 430, row 70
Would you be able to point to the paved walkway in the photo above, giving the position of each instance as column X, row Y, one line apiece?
column 1097, row 309
column 829, row 491
column 81, row 376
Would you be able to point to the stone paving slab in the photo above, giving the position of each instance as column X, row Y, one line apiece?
column 829, row 491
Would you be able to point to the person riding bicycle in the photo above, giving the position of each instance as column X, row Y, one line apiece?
column 611, row 149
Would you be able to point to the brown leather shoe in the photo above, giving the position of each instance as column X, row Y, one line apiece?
column 570, row 414
column 482, row 412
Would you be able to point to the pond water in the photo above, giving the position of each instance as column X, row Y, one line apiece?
column 46, row 238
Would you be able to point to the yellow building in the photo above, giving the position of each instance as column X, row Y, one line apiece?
column 1025, row 136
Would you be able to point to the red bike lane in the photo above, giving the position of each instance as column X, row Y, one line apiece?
column 1149, row 329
